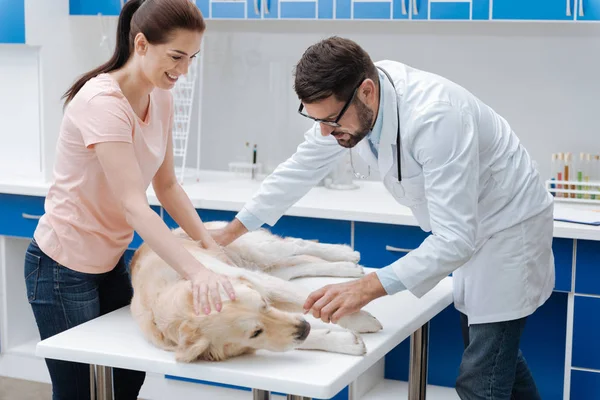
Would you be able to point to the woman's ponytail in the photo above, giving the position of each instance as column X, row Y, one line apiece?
column 122, row 49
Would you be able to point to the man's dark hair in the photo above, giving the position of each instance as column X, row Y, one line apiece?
column 333, row 66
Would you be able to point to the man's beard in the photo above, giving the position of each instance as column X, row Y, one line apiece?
column 365, row 117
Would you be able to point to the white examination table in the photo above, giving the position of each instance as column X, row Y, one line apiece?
column 114, row 340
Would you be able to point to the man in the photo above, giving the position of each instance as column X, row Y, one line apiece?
column 465, row 176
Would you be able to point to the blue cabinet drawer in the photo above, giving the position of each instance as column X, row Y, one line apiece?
column 323, row 230
column 205, row 216
column 12, row 21
column 137, row 240
column 544, row 10
column 19, row 214
column 382, row 244
column 585, row 385
column 447, row 10
column 94, row 7
column 563, row 263
column 587, row 267
column 586, row 325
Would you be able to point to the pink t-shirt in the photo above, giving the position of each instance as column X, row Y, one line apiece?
column 84, row 227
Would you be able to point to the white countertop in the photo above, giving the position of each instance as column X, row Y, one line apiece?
column 370, row 203
column 114, row 340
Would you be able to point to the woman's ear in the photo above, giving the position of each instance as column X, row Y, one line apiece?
column 140, row 44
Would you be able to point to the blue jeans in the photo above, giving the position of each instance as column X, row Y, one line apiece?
column 493, row 366
column 62, row 298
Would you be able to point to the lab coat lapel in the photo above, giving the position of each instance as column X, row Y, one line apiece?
column 364, row 151
column 389, row 128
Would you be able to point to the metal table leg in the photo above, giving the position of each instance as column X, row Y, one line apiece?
column 417, row 375
column 101, row 383
column 294, row 397
column 258, row 394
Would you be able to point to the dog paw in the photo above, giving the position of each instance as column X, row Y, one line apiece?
column 346, row 342
column 348, row 269
column 361, row 322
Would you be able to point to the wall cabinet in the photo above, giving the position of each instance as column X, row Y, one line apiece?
column 12, row 21
column 458, row 10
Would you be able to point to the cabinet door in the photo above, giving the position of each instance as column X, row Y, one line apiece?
column 12, row 21
column 545, row 10
column 297, row 9
column 419, row 9
column 585, row 385
column 588, row 10
column 587, row 267
column 372, row 10
column 226, row 9
column 586, row 325
column 450, row 10
column 563, row 263
column 94, row 7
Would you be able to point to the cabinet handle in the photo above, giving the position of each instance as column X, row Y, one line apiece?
column 404, row 12
column 568, row 8
column 397, row 249
column 266, row 6
column 581, row 8
column 256, row 10
column 30, row 216
column 415, row 8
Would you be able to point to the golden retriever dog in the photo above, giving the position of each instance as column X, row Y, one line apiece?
column 267, row 311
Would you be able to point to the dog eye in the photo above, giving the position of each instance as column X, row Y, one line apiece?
column 256, row 333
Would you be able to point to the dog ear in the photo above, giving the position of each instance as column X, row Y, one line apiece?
column 191, row 343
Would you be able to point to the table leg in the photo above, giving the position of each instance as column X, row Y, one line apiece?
column 417, row 374
column 101, row 383
column 258, row 394
column 294, row 397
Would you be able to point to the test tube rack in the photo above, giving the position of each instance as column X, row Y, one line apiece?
column 574, row 191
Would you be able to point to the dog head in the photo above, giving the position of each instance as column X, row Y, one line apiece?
column 243, row 325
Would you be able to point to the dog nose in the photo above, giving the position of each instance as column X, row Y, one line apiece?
column 303, row 330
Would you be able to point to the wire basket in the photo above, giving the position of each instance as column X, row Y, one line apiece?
column 183, row 99
column 574, row 191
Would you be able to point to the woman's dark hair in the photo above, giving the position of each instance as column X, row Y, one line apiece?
column 156, row 19
column 333, row 66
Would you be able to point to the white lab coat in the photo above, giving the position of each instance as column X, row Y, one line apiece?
column 466, row 178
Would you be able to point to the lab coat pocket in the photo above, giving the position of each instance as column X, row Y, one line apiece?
column 409, row 192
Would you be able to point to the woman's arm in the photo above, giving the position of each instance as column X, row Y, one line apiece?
column 123, row 174
column 175, row 200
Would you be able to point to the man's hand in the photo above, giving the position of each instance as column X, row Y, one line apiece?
column 229, row 233
column 332, row 302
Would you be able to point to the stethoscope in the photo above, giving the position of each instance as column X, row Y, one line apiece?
column 361, row 176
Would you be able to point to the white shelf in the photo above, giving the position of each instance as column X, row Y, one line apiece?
column 26, row 349
column 394, row 390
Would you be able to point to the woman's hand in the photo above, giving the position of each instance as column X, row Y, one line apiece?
column 206, row 283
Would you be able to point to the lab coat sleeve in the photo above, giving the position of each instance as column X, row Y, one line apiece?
column 292, row 179
column 446, row 145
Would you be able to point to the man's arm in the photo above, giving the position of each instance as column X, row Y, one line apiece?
column 290, row 181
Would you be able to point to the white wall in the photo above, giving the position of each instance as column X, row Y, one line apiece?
column 542, row 77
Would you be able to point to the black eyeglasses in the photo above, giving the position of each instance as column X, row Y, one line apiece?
column 333, row 123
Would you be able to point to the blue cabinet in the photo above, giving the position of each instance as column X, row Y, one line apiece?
column 586, row 325
column 19, row 214
column 587, row 272
column 12, row 21
column 585, row 385
column 94, row 7
column 545, row 10
column 588, row 10
column 563, row 263
column 382, row 244
column 453, row 10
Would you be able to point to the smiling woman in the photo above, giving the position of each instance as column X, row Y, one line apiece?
column 115, row 139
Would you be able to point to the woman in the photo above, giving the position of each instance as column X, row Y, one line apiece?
column 114, row 141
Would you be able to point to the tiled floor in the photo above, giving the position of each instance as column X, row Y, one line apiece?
column 16, row 389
